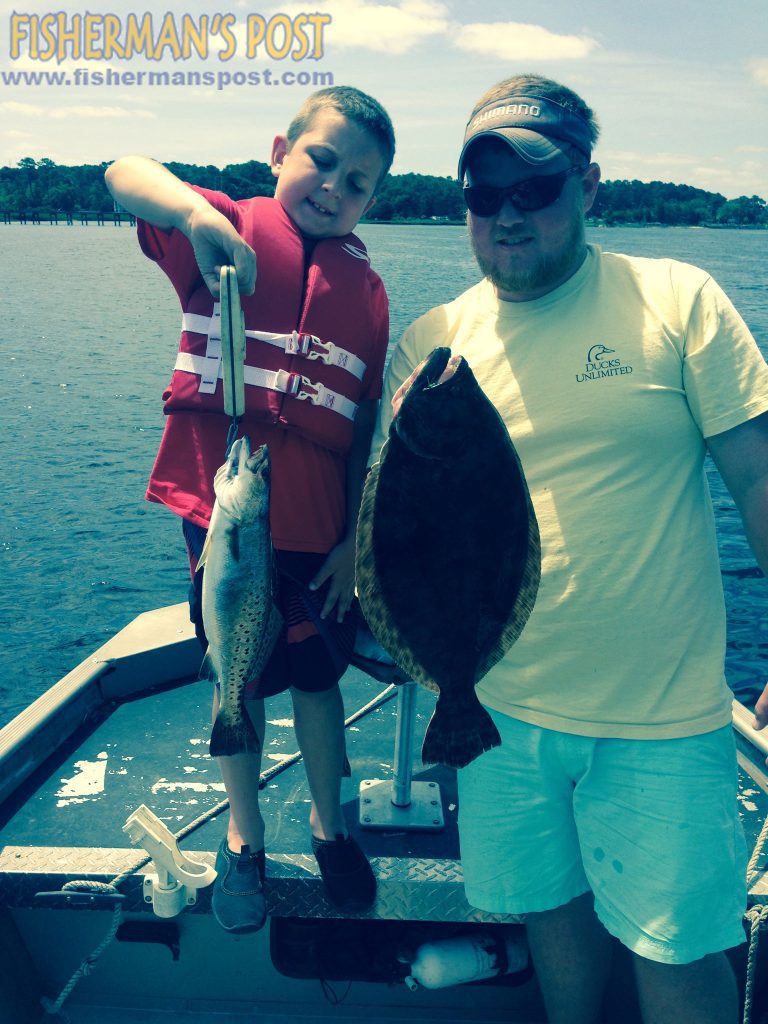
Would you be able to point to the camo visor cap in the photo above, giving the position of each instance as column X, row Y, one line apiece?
column 536, row 128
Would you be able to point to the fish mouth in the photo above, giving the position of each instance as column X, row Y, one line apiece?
column 415, row 423
column 440, row 364
column 238, row 453
column 259, row 460
column 242, row 461
column 433, row 368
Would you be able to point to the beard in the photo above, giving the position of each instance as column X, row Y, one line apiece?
column 546, row 273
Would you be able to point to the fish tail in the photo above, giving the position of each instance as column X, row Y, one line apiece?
column 457, row 736
column 233, row 737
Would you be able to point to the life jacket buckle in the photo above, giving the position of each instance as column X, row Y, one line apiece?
column 298, row 344
column 289, row 383
column 325, row 352
column 317, row 395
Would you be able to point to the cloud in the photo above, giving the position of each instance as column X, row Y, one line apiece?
column 758, row 69
column 29, row 109
column 59, row 113
column 110, row 112
column 398, row 28
column 385, row 28
column 647, row 161
column 26, row 63
column 512, row 40
column 718, row 174
column 736, row 180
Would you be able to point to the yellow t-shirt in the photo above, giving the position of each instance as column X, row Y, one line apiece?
column 609, row 385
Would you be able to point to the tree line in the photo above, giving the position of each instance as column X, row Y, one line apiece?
column 42, row 185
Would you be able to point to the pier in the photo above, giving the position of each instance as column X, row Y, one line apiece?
column 85, row 217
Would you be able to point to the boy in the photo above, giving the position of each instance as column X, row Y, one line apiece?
column 314, row 404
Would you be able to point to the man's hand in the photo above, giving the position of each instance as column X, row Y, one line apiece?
column 216, row 243
column 339, row 567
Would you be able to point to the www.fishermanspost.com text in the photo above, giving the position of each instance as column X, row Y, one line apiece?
column 220, row 79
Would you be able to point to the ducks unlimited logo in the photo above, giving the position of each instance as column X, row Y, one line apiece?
column 599, row 364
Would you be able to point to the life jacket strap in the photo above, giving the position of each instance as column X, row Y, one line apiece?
column 297, row 343
column 295, row 385
column 211, row 369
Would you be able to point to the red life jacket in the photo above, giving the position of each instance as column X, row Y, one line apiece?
column 310, row 333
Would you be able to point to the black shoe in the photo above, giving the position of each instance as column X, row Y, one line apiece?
column 238, row 901
column 347, row 876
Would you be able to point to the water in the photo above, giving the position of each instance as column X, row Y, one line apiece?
column 88, row 335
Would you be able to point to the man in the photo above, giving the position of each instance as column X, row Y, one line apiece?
column 610, row 808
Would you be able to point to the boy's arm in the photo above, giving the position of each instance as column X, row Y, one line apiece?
column 148, row 190
column 340, row 563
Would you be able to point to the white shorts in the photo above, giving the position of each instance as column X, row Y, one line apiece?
column 650, row 826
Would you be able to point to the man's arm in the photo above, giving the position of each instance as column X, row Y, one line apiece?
column 741, row 456
column 149, row 191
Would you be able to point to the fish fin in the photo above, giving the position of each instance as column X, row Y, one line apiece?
column 238, row 737
column 207, row 671
column 455, row 738
column 204, row 553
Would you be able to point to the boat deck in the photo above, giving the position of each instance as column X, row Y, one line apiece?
column 145, row 741
column 154, row 751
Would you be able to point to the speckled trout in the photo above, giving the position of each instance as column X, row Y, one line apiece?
column 240, row 618
column 448, row 553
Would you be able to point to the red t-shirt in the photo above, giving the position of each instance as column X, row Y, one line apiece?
column 308, row 501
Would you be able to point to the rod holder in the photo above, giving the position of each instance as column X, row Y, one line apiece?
column 178, row 877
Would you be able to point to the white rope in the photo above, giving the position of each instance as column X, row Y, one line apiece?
column 53, row 1008
column 757, row 852
column 757, row 916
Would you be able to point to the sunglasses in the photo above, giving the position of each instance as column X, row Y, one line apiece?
column 529, row 195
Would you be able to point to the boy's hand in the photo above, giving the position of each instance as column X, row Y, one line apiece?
column 339, row 567
column 216, row 243
column 761, row 710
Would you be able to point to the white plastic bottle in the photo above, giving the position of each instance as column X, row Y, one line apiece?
column 467, row 958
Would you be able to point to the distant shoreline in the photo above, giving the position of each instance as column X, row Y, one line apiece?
column 429, row 222
column 117, row 219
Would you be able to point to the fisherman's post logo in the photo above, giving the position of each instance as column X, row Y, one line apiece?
column 600, row 364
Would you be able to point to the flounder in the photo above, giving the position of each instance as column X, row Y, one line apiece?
column 448, row 553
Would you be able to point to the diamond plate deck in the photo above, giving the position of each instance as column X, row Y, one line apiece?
column 409, row 888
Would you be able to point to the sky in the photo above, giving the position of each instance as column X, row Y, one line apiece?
column 680, row 90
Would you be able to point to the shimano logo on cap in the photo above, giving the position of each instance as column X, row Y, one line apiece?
column 508, row 110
